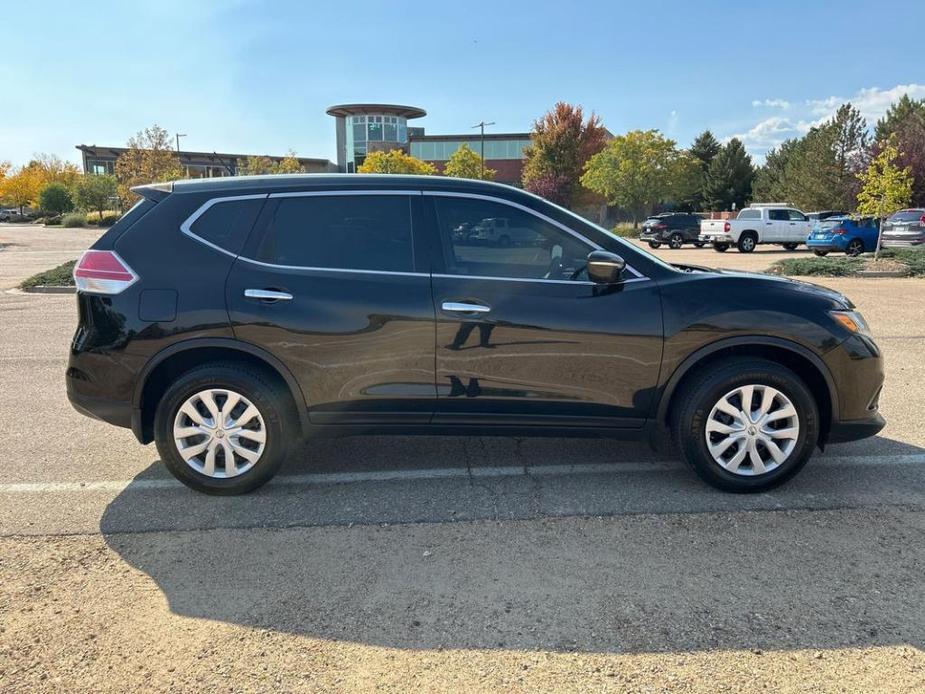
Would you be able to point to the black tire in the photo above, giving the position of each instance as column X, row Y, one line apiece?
column 699, row 244
column 274, row 407
column 654, row 244
column 720, row 247
column 854, row 248
column 675, row 241
column 697, row 398
column 747, row 242
column 791, row 246
column 821, row 254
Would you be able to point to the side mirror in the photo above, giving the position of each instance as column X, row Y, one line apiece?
column 605, row 267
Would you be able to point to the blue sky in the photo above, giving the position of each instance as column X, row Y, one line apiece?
column 255, row 77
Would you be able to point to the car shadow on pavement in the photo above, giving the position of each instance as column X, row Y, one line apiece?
column 626, row 561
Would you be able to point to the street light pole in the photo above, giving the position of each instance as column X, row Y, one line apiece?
column 482, row 126
column 179, row 135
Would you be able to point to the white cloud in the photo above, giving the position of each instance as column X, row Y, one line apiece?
column 770, row 132
column 672, row 121
column 771, row 103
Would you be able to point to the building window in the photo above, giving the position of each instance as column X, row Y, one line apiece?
column 359, row 128
column 375, row 128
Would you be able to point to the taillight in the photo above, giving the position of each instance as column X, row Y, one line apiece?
column 660, row 226
column 727, row 227
column 922, row 219
column 838, row 231
column 103, row 272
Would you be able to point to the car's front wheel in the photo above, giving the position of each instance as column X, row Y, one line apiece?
column 221, row 429
column 747, row 425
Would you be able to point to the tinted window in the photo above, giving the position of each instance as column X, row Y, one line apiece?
column 778, row 215
column 227, row 224
column 353, row 232
column 523, row 246
column 796, row 216
column 750, row 214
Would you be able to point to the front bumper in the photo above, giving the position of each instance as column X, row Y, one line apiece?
column 856, row 366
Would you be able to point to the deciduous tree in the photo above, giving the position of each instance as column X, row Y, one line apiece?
column 96, row 192
column 150, row 159
column 21, row 188
column 634, row 171
column 885, row 187
column 562, row 142
column 395, row 162
column 55, row 198
column 465, row 163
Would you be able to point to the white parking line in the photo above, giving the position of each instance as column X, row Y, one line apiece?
column 429, row 474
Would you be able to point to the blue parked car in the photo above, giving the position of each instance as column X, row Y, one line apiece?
column 849, row 235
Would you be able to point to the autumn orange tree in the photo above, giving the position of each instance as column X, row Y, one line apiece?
column 150, row 159
column 561, row 142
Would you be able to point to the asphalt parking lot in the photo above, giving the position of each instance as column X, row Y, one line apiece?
column 488, row 564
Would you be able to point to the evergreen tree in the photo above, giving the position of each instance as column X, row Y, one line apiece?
column 704, row 149
column 729, row 178
column 771, row 183
column 898, row 113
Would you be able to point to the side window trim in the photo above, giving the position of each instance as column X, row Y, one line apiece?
column 187, row 224
column 538, row 215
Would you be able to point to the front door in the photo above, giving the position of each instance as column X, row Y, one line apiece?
column 524, row 338
column 328, row 283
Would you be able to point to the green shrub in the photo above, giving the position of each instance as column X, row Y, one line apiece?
column 53, row 221
column 109, row 218
column 61, row 276
column 913, row 257
column 820, row 267
column 74, row 219
column 626, row 231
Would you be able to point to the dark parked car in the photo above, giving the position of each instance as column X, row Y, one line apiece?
column 225, row 318
column 849, row 235
column 672, row 228
column 905, row 229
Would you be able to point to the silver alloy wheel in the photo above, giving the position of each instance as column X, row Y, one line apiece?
column 752, row 430
column 748, row 243
column 219, row 433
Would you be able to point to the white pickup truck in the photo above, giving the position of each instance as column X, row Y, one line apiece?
column 765, row 223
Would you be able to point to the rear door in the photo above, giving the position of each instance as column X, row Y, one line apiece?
column 331, row 284
column 798, row 226
column 524, row 338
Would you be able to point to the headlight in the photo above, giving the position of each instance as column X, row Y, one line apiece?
column 852, row 321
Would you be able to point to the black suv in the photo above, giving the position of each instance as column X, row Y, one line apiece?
column 226, row 318
column 673, row 228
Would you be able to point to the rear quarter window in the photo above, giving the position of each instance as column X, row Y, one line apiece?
column 750, row 214
column 227, row 223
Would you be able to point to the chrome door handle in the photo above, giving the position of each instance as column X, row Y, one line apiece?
column 267, row 295
column 460, row 307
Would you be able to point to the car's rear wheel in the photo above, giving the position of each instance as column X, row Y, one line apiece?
column 675, row 241
column 821, row 254
column 221, row 428
column 720, row 247
column 747, row 425
column 654, row 244
column 747, row 242
column 854, row 248
column 790, row 246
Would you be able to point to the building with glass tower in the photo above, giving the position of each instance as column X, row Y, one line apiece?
column 359, row 129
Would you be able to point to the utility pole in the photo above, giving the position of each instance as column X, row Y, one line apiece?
column 482, row 126
column 179, row 135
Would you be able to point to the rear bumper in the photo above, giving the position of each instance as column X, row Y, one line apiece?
column 825, row 244
column 114, row 412
column 903, row 241
column 713, row 237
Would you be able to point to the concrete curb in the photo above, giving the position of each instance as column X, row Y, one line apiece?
column 42, row 289
column 882, row 273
